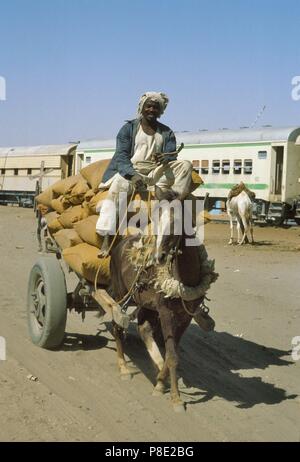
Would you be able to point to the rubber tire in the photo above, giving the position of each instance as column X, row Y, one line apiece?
column 51, row 334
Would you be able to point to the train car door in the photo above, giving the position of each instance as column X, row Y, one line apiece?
column 66, row 166
column 277, row 171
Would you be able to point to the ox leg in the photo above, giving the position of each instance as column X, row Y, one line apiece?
column 146, row 329
column 245, row 227
column 231, row 229
column 160, row 386
column 123, row 368
column 238, row 227
column 167, row 320
column 146, row 334
column 240, row 230
column 242, row 241
column 251, row 231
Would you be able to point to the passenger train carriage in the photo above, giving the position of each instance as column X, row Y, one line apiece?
column 22, row 167
column 266, row 159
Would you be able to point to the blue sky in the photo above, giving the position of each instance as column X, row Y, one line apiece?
column 75, row 69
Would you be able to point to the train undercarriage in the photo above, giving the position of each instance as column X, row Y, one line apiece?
column 264, row 212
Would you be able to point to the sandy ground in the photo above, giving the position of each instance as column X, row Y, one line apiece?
column 239, row 382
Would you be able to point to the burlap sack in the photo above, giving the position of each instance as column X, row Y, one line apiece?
column 66, row 238
column 203, row 216
column 100, row 196
column 76, row 196
column 86, row 229
column 89, row 195
column 60, row 204
column 72, row 215
column 65, row 186
column 54, row 226
column 93, row 173
column 196, row 181
column 83, row 259
column 45, row 197
column 50, row 217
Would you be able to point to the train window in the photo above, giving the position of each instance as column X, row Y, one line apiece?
column 16, row 171
column 2, row 171
column 204, row 167
column 248, row 166
column 237, row 166
column 196, row 165
column 215, row 166
column 88, row 159
column 29, row 171
column 225, row 166
column 262, row 154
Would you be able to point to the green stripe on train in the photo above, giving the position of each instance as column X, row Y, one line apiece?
column 226, row 145
column 193, row 146
column 230, row 185
column 90, row 151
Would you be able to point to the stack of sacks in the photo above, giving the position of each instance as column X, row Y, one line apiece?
column 71, row 204
column 72, row 217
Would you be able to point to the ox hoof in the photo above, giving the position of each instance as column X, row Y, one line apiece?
column 179, row 407
column 230, row 242
column 158, row 390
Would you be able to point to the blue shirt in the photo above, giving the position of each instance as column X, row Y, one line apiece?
column 121, row 163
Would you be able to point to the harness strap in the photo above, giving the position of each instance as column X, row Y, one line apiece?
column 203, row 309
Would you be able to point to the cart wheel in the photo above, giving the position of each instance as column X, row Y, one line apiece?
column 47, row 303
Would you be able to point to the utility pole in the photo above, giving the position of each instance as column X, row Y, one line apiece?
column 43, row 171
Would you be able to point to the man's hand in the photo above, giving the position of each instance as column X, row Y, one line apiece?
column 160, row 158
column 138, row 182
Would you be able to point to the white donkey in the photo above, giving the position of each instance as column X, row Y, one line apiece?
column 240, row 207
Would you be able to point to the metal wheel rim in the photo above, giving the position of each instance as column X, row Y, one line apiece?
column 38, row 305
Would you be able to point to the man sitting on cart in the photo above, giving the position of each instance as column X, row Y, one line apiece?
column 145, row 156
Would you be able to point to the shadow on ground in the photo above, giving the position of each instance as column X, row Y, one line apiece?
column 212, row 365
column 75, row 342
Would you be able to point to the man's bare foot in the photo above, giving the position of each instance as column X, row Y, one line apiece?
column 104, row 251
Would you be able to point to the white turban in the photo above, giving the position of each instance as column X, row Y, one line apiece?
column 161, row 98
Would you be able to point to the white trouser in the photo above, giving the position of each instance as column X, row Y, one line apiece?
column 176, row 175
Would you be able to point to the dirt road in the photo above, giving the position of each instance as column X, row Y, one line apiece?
column 240, row 382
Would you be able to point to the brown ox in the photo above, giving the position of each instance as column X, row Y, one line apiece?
column 144, row 272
